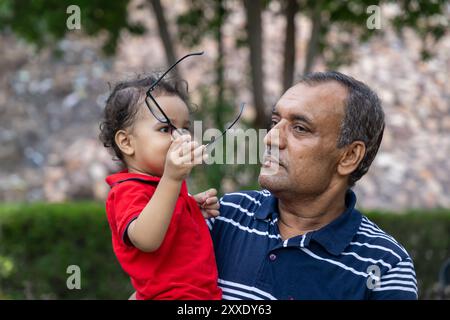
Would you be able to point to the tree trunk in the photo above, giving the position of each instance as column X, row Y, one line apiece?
column 220, row 80
column 164, row 33
column 253, row 10
column 313, row 43
column 289, row 44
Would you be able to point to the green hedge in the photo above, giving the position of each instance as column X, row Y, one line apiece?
column 39, row 241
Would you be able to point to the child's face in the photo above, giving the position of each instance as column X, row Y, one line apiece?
column 151, row 139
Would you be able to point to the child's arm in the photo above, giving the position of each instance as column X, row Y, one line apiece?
column 148, row 230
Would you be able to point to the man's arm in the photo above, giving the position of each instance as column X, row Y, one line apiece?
column 399, row 283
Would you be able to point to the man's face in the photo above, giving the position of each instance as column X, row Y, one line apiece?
column 307, row 120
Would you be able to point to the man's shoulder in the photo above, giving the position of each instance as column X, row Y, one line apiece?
column 245, row 202
column 374, row 240
column 247, row 196
column 395, row 266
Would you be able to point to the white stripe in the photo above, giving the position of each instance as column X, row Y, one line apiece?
column 285, row 243
column 302, row 243
column 404, row 276
column 398, row 269
column 209, row 224
column 408, row 283
column 265, row 193
column 274, row 221
column 369, row 222
column 370, row 226
column 389, row 266
column 374, row 235
column 244, row 195
column 376, row 247
column 227, row 297
column 373, row 226
column 371, row 231
column 382, row 237
column 241, row 293
column 339, row 264
column 406, row 264
column 376, row 230
column 396, row 288
column 258, row 232
column 243, row 286
column 366, row 222
column 231, row 204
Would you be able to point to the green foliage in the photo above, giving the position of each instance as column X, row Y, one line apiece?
column 426, row 237
column 202, row 18
column 39, row 241
column 43, row 21
column 427, row 18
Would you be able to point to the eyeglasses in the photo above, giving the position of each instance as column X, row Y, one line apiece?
column 161, row 116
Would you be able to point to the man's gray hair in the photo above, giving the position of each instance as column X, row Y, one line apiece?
column 363, row 120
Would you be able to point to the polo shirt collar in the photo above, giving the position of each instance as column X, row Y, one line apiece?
column 268, row 207
column 338, row 234
column 124, row 175
column 335, row 236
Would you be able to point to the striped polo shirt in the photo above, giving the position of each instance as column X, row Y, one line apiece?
column 350, row 258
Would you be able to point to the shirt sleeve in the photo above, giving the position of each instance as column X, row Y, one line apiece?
column 129, row 202
column 399, row 283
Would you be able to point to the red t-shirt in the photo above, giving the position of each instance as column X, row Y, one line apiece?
column 184, row 266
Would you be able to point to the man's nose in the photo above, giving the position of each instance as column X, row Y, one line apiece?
column 276, row 136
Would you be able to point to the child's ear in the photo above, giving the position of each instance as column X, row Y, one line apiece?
column 124, row 140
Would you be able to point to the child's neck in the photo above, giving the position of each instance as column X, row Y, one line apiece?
column 132, row 169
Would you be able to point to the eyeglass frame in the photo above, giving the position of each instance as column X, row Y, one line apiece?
column 166, row 119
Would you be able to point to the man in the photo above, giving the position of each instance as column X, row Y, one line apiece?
column 302, row 237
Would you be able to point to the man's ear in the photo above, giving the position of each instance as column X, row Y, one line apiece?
column 124, row 140
column 351, row 158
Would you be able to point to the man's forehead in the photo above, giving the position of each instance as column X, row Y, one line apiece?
column 313, row 100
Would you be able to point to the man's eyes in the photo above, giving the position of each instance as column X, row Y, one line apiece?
column 298, row 128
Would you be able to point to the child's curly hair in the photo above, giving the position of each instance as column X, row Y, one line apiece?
column 122, row 106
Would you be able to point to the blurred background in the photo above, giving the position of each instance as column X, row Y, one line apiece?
column 55, row 78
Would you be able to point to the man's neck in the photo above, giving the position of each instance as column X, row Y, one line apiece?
column 302, row 214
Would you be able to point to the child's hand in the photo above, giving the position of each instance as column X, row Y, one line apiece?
column 182, row 156
column 208, row 203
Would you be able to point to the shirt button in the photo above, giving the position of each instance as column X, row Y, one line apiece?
column 272, row 257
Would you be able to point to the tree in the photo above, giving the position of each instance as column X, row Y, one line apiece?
column 290, row 11
column 253, row 9
column 313, row 43
column 164, row 32
column 206, row 19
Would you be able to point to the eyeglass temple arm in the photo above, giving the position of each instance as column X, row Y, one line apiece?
column 232, row 124
column 171, row 67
